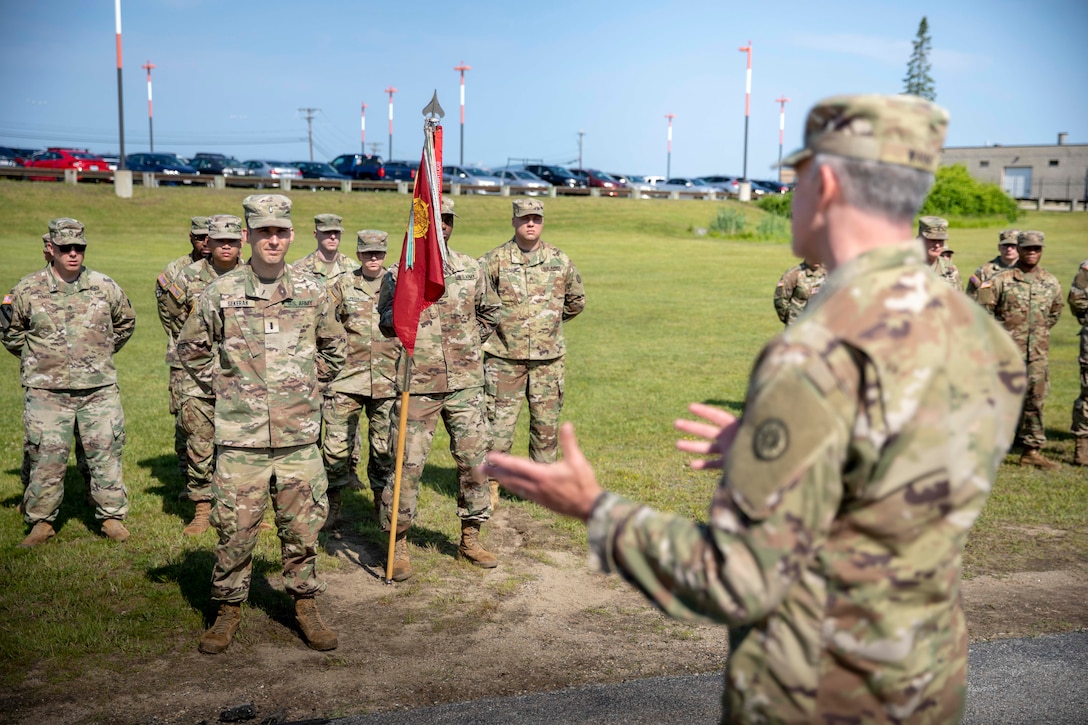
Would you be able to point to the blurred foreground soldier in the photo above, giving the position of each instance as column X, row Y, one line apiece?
column 67, row 322
column 1007, row 254
column 367, row 382
column 797, row 286
column 447, row 381
column 326, row 262
column 1027, row 300
column 261, row 340
column 540, row 289
column 834, row 541
column 933, row 231
column 198, row 238
column 196, row 407
column 1078, row 305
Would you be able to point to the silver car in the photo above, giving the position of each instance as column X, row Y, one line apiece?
column 523, row 182
column 484, row 180
column 271, row 170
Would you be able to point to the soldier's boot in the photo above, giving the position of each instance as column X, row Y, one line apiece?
column 334, row 509
column 318, row 634
column 42, row 531
column 470, row 547
column 377, row 505
column 200, row 522
column 1080, row 453
column 494, row 495
column 1032, row 457
column 402, row 565
column 115, row 530
column 219, row 635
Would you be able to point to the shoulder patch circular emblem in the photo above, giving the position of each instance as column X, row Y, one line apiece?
column 771, row 439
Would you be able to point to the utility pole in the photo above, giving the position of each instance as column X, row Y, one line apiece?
column 150, row 128
column 581, row 134
column 745, row 185
column 120, row 94
column 310, row 127
column 375, row 147
column 362, row 129
column 462, row 68
column 668, row 157
column 781, row 131
column 390, row 90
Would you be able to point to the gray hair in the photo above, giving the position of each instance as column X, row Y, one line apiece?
column 893, row 192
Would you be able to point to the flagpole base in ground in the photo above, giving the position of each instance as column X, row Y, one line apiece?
column 396, row 485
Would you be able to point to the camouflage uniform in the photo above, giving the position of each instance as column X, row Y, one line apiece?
column 65, row 336
column 313, row 264
column 367, row 382
column 1078, row 305
column 935, row 228
column 1028, row 305
column 263, row 352
column 523, row 360
column 447, row 378
column 795, row 288
column 992, row 267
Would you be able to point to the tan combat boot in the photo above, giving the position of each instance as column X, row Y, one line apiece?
column 42, row 531
column 494, row 495
column 200, row 522
column 1080, row 454
column 219, row 635
column 470, row 547
column 334, row 509
column 402, row 565
column 318, row 634
column 1032, row 457
column 115, row 530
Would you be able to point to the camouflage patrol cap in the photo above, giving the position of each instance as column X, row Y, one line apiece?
column 198, row 226
column 947, row 252
column 527, row 207
column 328, row 223
column 224, row 226
column 447, row 207
column 45, row 238
column 67, row 231
column 1008, row 236
column 933, row 227
column 897, row 130
column 371, row 240
column 1030, row 239
column 268, row 210
column 63, row 219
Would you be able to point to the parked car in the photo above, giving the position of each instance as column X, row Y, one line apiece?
column 271, row 170
column 557, row 175
column 638, row 183
column 472, row 176
column 728, row 184
column 690, row 183
column 225, row 166
column 62, row 158
column 401, row 170
column 318, row 170
column 360, row 166
column 654, row 180
column 20, row 155
column 160, row 163
column 773, row 187
column 598, row 180
column 8, row 157
column 525, row 182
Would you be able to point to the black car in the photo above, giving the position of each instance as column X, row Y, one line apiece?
column 160, row 163
column 557, row 175
column 360, row 166
column 401, row 170
column 221, row 166
column 318, row 170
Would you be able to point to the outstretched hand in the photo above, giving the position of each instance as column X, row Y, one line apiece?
column 717, row 435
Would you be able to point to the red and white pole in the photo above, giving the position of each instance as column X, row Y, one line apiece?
column 390, row 90
column 150, row 128
column 362, row 128
column 668, row 157
column 781, row 131
column 120, row 94
column 747, row 107
column 462, row 68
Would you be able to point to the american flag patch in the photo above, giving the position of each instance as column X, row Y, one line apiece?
column 175, row 292
column 163, row 281
column 987, row 283
column 8, row 299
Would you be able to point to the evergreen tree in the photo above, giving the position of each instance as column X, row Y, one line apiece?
column 918, row 82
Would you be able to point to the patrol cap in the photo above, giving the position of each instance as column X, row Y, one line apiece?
column 1030, row 239
column 1008, row 236
column 447, row 207
column 328, row 223
column 68, row 220
column 947, row 252
column 198, row 226
column 933, row 227
column 898, row 130
column 67, row 231
column 371, row 240
column 224, row 226
column 268, row 210
column 45, row 238
column 527, row 207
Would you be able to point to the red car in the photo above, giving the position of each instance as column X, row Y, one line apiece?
column 58, row 158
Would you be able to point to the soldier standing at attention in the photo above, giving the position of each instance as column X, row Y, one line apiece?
column 834, row 542
column 933, row 231
column 1078, row 305
column 1027, row 300
column 326, row 262
column 540, row 289
column 198, row 238
column 795, row 288
column 447, row 381
column 261, row 340
column 1007, row 255
column 67, row 322
column 367, row 381
column 196, row 406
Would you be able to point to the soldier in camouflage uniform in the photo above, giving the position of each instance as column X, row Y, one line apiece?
column 540, row 289
column 326, row 262
column 933, row 233
column 1007, row 255
column 367, row 382
column 261, row 340
column 833, row 547
column 196, row 407
column 67, row 322
column 1027, row 300
column 1078, row 305
column 795, row 288
column 447, row 381
column 198, row 238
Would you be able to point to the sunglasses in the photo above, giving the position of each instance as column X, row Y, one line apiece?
column 67, row 248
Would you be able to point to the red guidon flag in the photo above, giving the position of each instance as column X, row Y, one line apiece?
column 420, row 279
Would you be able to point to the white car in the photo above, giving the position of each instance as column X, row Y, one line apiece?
column 484, row 181
column 524, row 182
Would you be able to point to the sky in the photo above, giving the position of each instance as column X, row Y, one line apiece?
column 231, row 75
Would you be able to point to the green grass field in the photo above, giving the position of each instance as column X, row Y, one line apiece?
column 671, row 318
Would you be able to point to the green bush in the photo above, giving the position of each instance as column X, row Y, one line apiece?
column 777, row 204
column 773, row 227
column 729, row 222
column 957, row 193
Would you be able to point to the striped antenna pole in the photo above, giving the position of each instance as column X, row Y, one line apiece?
column 781, row 131
column 462, row 68
column 362, row 128
column 120, row 94
column 150, row 128
column 746, row 190
column 668, row 157
column 390, row 90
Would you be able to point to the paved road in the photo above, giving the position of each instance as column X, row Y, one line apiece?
column 1012, row 681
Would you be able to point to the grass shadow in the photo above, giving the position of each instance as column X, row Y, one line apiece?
column 164, row 469
column 736, row 407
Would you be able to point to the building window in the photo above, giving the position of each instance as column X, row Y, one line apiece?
column 984, row 164
column 1053, row 162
